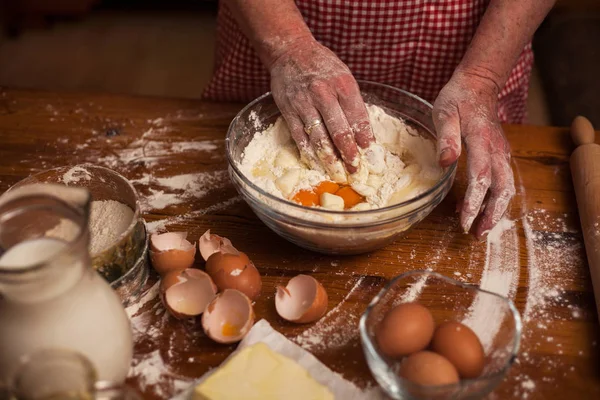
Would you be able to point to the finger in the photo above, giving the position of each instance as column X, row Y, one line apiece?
column 338, row 129
column 307, row 153
column 296, row 127
column 323, row 147
column 447, row 126
column 321, row 144
column 355, row 110
column 502, row 191
column 479, row 175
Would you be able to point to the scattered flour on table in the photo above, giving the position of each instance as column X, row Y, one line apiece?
column 528, row 384
column 143, row 159
column 178, row 189
column 75, row 175
column 555, row 260
column 160, row 225
column 414, row 290
column 556, row 255
column 335, row 329
column 150, row 369
column 501, row 276
column 159, row 200
column 179, row 147
column 195, row 184
column 432, row 259
column 401, row 165
column 151, row 148
column 150, row 294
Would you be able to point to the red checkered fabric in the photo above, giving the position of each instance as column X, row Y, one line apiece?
column 414, row 45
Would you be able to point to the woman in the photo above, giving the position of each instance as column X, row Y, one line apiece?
column 471, row 57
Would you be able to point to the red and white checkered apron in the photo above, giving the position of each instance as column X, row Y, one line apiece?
column 414, row 45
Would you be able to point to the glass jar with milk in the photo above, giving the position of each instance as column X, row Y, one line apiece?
column 50, row 297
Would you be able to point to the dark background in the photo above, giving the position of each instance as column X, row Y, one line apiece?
column 165, row 48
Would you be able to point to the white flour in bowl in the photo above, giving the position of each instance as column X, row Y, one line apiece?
column 109, row 219
column 401, row 165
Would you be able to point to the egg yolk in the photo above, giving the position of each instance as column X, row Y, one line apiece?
column 229, row 330
column 326, row 187
column 307, row 198
column 311, row 198
column 351, row 198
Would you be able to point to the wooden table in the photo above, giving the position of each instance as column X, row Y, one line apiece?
column 559, row 352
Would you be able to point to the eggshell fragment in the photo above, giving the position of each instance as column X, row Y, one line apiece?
column 429, row 369
column 210, row 244
column 461, row 346
column 405, row 329
column 303, row 300
column 228, row 317
column 187, row 293
column 171, row 252
column 234, row 271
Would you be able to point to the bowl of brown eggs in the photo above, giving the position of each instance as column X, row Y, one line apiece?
column 426, row 336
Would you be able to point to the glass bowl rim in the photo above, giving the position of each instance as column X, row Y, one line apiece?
column 232, row 164
column 367, row 342
column 88, row 165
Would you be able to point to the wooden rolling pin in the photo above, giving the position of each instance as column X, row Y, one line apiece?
column 585, row 169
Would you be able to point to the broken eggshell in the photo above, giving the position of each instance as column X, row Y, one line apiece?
column 303, row 300
column 187, row 293
column 171, row 252
column 210, row 244
column 228, row 317
column 234, row 270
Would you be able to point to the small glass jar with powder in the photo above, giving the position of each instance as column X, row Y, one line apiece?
column 118, row 240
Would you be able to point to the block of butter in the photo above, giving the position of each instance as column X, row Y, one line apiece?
column 258, row 373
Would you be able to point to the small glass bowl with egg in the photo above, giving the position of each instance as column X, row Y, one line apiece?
column 348, row 231
column 426, row 336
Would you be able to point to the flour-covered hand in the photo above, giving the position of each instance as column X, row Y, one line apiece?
column 467, row 107
column 309, row 83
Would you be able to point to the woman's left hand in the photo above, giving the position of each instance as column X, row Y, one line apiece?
column 467, row 108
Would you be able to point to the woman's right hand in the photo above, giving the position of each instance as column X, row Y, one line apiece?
column 466, row 109
column 309, row 84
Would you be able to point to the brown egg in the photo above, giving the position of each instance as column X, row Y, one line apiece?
column 405, row 329
column 186, row 293
column 228, row 317
column 429, row 369
column 459, row 344
column 303, row 300
column 171, row 252
column 210, row 243
column 234, row 271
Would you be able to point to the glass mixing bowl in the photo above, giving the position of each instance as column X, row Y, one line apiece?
column 492, row 317
column 336, row 232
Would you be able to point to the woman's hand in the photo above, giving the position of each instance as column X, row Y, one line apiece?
column 310, row 84
column 467, row 107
